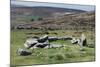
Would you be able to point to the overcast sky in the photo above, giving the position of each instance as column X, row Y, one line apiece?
column 61, row 5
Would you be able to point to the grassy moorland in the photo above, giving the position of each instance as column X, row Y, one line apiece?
column 27, row 22
column 68, row 54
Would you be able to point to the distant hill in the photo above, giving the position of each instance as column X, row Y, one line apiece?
column 53, row 18
column 40, row 11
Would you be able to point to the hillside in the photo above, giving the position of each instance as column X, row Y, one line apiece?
column 51, row 18
column 41, row 11
column 74, row 21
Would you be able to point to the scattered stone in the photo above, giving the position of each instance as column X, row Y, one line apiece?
column 43, row 42
column 30, row 42
column 74, row 41
column 81, row 41
column 43, row 39
column 23, row 52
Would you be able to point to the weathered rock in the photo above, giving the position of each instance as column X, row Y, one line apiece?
column 41, row 45
column 75, row 41
column 81, row 41
column 36, row 43
column 23, row 52
column 65, row 38
column 43, row 39
column 30, row 42
column 52, row 38
column 59, row 38
column 43, row 42
column 84, row 40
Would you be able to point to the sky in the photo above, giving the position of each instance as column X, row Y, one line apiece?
column 60, row 5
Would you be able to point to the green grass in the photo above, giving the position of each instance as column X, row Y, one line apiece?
column 68, row 54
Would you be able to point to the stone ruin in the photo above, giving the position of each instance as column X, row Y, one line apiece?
column 43, row 42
